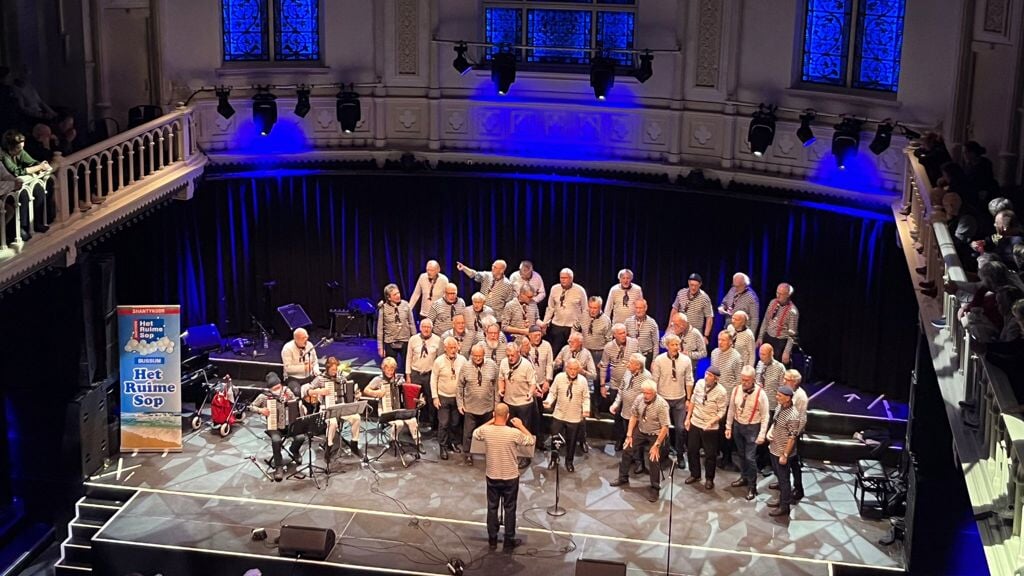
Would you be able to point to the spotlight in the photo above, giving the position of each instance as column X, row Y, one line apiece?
column 349, row 110
column 845, row 141
column 602, row 76
column 883, row 137
column 264, row 110
column 503, row 71
column 461, row 63
column 761, row 133
column 224, row 107
column 646, row 69
column 910, row 134
column 804, row 133
column 302, row 102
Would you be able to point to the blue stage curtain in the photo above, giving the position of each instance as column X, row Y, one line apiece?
column 213, row 254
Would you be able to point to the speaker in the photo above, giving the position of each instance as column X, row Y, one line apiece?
column 203, row 337
column 599, row 568
column 305, row 542
column 294, row 317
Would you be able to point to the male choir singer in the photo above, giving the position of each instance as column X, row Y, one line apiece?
column 299, row 356
column 501, row 442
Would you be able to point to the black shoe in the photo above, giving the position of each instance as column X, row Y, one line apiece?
column 354, row 446
column 709, row 484
column 921, row 270
column 552, row 464
column 469, row 459
column 510, row 544
column 774, row 503
column 692, row 480
column 296, row 457
column 278, row 474
column 640, row 468
column 41, row 228
column 751, row 493
column 652, row 494
column 619, row 482
column 492, row 542
column 618, row 446
column 444, row 453
column 774, row 486
column 584, row 447
column 420, row 449
column 569, row 467
column 798, row 494
column 524, row 463
column 780, row 511
column 329, row 452
column 738, row 483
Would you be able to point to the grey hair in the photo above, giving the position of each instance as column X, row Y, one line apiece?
column 748, row 371
column 625, row 272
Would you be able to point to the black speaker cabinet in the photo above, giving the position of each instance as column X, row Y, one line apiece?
column 599, row 568
column 306, row 542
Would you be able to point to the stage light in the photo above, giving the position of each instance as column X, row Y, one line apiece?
column 461, row 64
column 349, row 110
column 804, row 132
column 302, row 102
column 264, row 111
column 883, row 137
column 646, row 69
column 503, row 71
column 761, row 133
column 602, row 76
column 224, row 107
column 845, row 141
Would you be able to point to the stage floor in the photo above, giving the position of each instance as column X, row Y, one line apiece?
column 211, row 496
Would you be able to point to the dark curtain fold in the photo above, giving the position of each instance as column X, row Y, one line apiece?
column 214, row 253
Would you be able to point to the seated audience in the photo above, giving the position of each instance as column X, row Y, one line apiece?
column 18, row 162
column 978, row 170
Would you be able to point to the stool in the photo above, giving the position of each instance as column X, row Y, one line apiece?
column 872, row 479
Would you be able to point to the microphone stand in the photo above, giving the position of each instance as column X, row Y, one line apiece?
column 263, row 335
column 556, row 510
column 671, row 506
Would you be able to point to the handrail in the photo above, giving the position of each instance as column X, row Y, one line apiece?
column 22, row 194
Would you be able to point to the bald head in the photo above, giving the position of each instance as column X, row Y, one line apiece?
column 501, row 412
column 301, row 337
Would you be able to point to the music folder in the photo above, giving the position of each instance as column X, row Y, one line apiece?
column 347, row 409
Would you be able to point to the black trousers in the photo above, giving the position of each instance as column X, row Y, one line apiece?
column 502, row 493
column 603, row 405
column 277, row 440
column 428, row 414
column 641, row 449
column 778, row 345
column 569, row 430
column 398, row 351
column 558, row 337
column 447, row 420
column 470, row 423
column 528, row 414
column 708, row 440
column 677, row 412
column 726, row 445
column 619, row 428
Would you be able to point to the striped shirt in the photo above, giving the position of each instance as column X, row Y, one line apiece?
column 787, row 425
column 478, row 387
column 566, row 307
column 614, row 360
column 630, row 391
column 442, row 312
column 535, row 282
column 596, row 331
column 497, row 293
column 262, row 400
column 744, row 343
column 502, row 455
column 495, row 351
column 748, row 408
column 519, row 315
column 520, row 381
column 708, row 407
column 422, row 354
column 729, row 363
column 672, row 375
column 697, row 308
column 651, row 416
column 475, row 320
column 587, row 367
column 619, row 304
column 571, row 399
column 543, row 361
column 428, row 290
column 693, row 344
column 769, row 377
column 800, row 401
column 746, row 301
column 444, row 377
column 466, row 340
column 395, row 323
column 645, row 330
column 780, row 321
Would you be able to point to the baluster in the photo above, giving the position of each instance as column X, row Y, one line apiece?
column 3, row 227
column 110, row 175
column 150, row 153
column 131, row 163
column 161, row 152
column 60, row 188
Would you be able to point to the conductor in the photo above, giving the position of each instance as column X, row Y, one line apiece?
column 501, row 443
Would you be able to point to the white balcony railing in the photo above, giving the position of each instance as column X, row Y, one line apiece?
column 13, row 198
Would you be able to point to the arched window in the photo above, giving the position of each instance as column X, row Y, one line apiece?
column 247, row 23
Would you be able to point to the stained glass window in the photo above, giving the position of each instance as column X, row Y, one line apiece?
column 296, row 30
column 879, row 43
column 583, row 24
column 245, row 30
column 875, row 45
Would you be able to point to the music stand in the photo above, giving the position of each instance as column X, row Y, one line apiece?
column 340, row 411
column 395, row 443
column 309, row 425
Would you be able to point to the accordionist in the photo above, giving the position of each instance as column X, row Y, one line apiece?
column 280, row 407
column 326, row 390
column 388, row 388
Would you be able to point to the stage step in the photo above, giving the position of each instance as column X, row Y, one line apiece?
column 847, row 450
column 94, row 510
column 823, row 422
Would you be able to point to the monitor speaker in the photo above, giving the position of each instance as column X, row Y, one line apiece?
column 305, row 542
column 203, row 337
column 599, row 568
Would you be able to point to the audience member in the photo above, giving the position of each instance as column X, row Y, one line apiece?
column 932, row 154
column 19, row 163
column 978, row 170
column 43, row 143
column 30, row 103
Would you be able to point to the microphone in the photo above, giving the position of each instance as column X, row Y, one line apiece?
column 672, row 469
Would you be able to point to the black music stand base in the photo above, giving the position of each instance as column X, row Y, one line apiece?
column 310, row 469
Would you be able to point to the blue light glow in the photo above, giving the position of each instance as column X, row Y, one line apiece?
column 860, row 175
column 287, row 137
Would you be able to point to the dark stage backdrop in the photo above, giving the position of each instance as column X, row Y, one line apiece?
column 214, row 253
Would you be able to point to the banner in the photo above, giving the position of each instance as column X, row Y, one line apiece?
column 150, row 377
